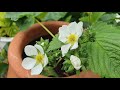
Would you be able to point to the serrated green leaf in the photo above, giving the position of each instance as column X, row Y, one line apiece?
column 54, row 44
column 104, row 53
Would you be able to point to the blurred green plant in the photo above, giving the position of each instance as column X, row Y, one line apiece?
column 4, row 61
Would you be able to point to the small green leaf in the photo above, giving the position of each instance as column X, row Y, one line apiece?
column 70, row 69
column 67, row 66
column 54, row 44
column 43, row 43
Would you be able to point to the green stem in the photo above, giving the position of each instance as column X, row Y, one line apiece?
column 45, row 28
column 58, row 62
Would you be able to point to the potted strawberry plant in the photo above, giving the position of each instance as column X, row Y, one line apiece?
column 57, row 52
column 77, row 49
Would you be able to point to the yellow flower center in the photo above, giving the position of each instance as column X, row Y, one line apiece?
column 39, row 58
column 72, row 38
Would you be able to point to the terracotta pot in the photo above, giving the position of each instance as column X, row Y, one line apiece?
column 22, row 39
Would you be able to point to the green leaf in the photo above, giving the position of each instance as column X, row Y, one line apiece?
column 3, row 21
column 14, row 16
column 78, row 72
column 25, row 22
column 108, row 17
column 1, row 58
column 70, row 69
column 92, row 17
column 3, row 68
column 2, row 15
column 3, row 55
column 54, row 44
column 49, row 71
column 6, row 47
column 42, row 16
column 68, row 18
column 43, row 43
column 2, row 32
column 54, row 16
column 67, row 66
column 104, row 52
column 10, row 31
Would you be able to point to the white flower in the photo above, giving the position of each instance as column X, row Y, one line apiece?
column 70, row 35
column 39, row 60
column 76, row 62
column 117, row 16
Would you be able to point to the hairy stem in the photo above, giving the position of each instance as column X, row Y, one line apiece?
column 45, row 28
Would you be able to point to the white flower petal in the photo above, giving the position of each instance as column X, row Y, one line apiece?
column 65, row 49
column 74, row 46
column 72, row 27
column 63, row 33
column 37, row 69
column 28, row 63
column 62, row 38
column 45, row 60
column 79, row 29
column 39, row 48
column 63, row 30
column 30, row 50
column 75, row 62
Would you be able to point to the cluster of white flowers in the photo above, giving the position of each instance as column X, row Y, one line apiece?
column 69, row 35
